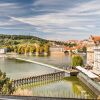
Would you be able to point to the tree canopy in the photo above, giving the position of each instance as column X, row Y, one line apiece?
column 77, row 60
column 5, row 84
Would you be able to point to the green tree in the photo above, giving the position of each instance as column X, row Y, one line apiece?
column 77, row 60
column 84, row 49
column 5, row 84
column 19, row 50
column 15, row 49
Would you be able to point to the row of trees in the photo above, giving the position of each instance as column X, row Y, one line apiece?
column 5, row 84
column 24, row 44
column 30, row 49
column 7, row 40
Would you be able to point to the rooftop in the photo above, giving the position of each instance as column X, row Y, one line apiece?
column 95, row 38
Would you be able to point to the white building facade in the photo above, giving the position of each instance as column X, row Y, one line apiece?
column 57, row 49
column 97, row 58
column 3, row 51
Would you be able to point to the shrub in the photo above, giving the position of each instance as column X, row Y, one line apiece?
column 77, row 60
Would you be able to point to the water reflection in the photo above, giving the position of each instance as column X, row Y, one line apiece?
column 65, row 88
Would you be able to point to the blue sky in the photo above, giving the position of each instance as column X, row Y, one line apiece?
column 51, row 19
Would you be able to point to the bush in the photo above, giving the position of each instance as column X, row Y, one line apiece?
column 77, row 60
column 5, row 84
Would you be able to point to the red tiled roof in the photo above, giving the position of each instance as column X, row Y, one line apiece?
column 95, row 38
column 73, row 48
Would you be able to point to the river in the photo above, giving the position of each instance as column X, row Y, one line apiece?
column 65, row 88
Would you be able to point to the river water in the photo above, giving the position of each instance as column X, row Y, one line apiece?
column 67, row 87
column 55, row 60
column 16, row 69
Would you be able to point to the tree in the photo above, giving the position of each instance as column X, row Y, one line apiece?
column 15, row 49
column 5, row 84
column 84, row 49
column 37, row 48
column 19, row 50
column 46, row 49
column 31, row 49
column 77, row 60
column 41, row 49
column 27, row 50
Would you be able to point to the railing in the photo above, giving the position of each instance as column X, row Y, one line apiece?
column 41, row 78
column 40, row 98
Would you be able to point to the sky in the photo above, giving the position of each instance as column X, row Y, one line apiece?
column 51, row 19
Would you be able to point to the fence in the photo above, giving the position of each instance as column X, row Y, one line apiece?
column 41, row 78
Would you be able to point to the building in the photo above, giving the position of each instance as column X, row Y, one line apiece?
column 57, row 48
column 90, row 52
column 97, row 57
column 71, row 49
column 90, row 49
column 3, row 51
column 84, row 42
column 73, row 41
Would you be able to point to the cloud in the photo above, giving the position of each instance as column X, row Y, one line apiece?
column 52, row 18
column 7, row 5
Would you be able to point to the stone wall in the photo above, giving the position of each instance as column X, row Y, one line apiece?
column 95, row 87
